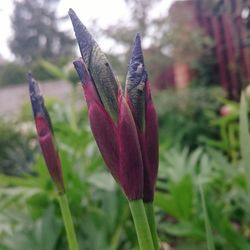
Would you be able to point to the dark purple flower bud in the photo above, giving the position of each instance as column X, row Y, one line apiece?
column 138, row 96
column 98, row 67
column 45, row 134
column 117, row 142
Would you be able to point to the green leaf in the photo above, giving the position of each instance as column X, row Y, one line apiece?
column 53, row 70
column 183, row 229
column 179, row 201
column 245, row 137
column 209, row 234
column 102, row 180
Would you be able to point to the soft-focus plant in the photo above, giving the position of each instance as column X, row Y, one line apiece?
column 16, row 148
column 189, row 112
column 202, row 190
column 227, row 124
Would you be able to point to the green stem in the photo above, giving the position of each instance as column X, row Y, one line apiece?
column 209, row 234
column 68, row 223
column 149, row 208
column 141, row 225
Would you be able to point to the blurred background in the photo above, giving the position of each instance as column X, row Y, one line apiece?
column 197, row 56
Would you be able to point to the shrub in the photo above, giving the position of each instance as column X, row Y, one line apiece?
column 44, row 70
column 12, row 73
column 16, row 148
column 184, row 116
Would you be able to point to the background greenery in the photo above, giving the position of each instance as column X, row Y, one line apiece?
column 189, row 166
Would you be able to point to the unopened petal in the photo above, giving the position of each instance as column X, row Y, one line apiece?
column 151, row 149
column 104, row 131
column 131, row 166
column 49, row 151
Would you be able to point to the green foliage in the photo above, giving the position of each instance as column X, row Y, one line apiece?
column 44, row 70
column 185, row 214
column 72, row 76
column 184, row 116
column 209, row 234
column 16, row 149
column 36, row 33
column 12, row 73
column 228, row 127
column 245, row 137
column 202, row 196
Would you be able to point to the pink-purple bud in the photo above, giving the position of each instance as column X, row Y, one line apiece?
column 227, row 110
column 45, row 134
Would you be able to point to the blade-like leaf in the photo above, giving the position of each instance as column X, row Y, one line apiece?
column 245, row 138
column 209, row 234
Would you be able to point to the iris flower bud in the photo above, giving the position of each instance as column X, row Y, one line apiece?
column 138, row 96
column 45, row 134
column 110, row 117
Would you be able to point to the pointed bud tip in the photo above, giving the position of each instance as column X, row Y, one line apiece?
column 36, row 97
column 137, row 54
column 73, row 15
column 71, row 11
column 33, row 86
column 136, row 69
column 83, row 37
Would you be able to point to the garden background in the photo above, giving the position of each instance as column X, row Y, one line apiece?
column 197, row 56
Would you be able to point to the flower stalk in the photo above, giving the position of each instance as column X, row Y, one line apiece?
column 68, row 223
column 149, row 208
column 141, row 225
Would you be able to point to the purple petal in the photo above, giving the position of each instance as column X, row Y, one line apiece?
column 151, row 149
column 49, row 151
column 131, row 166
column 104, row 131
